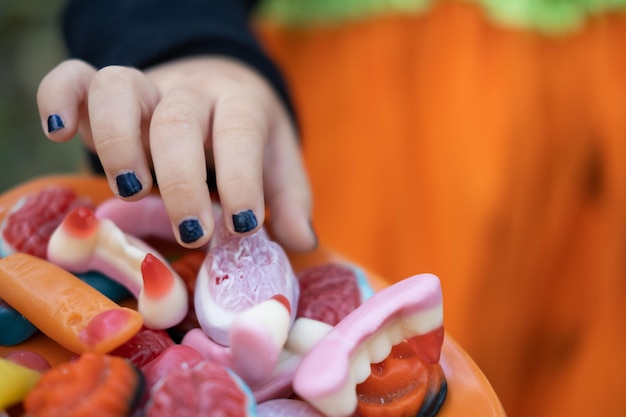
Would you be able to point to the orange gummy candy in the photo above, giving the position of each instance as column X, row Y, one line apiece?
column 94, row 384
column 69, row 311
column 403, row 385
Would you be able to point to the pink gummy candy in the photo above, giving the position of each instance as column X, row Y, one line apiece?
column 238, row 273
column 202, row 390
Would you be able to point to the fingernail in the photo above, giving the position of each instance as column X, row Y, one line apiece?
column 190, row 230
column 127, row 184
column 55, row 123
column 244, row 221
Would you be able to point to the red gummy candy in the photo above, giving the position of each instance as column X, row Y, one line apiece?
column 171, row 359
column 29, row 227
column 146, row 345
column 328, row 292
column 202, row 390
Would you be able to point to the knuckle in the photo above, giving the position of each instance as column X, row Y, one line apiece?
column 240, row 126
column 178, row 110
column 238, row 131
column 177, row 114
column 113, row 76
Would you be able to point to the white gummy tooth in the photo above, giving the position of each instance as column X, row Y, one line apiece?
column 304, row 334
column 379, row 348
column 340, row 404
column 423, row 322
column 272, row 316
column 350, row 345
column 360, row 368
column 395, row 334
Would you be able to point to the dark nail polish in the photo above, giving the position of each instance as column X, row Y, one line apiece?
column 190, row 230
column 55, row 123
column 244, row 221
column 127, row 184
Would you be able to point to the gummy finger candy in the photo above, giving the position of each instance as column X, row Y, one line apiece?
column 62, row 306
column 15, row 328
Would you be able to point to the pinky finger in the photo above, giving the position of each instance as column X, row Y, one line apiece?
column 61, row 94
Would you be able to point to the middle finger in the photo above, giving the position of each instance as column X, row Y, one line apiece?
column 119, row 100
column 177, row 136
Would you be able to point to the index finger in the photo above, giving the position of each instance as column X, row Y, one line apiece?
column 60, row 96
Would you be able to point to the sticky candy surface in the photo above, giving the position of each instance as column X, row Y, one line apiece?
column 93, row 383
column 84, row 242
column 203, row 389
column 27, row 228
column 328, row 374
column 63, row 307
column 238, row 273
column 344, row 343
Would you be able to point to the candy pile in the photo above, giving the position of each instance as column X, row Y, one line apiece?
column 232, row 330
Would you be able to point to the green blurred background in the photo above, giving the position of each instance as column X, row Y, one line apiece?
column 30, row 45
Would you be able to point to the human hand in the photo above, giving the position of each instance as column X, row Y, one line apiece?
column 180, row 118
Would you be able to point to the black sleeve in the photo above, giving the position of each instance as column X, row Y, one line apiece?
column 142, row 33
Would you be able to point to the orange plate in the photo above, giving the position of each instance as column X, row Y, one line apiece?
column 469, row 392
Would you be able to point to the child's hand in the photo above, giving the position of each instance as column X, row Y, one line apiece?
column 179, row 118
